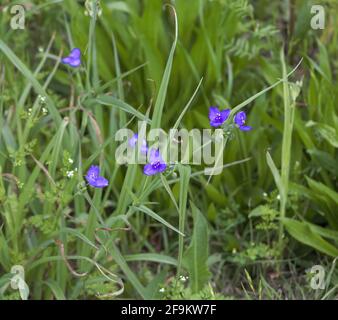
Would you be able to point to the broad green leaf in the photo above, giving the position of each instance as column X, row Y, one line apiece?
column 326, row 132
column 321, row 188
column 304, row 234
column 196, row 256
column 325, row 160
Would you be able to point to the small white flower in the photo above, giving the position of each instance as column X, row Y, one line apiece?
column 40, row 49
column 70, row 160
column 265, row 194
column 161, row 290
column 278, row 197
column 44, row 111
column 70, row 174
column 42, row 99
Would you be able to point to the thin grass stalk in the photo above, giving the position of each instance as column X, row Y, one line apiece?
column 289, row 107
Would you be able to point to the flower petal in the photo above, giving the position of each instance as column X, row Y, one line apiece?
column 66, row 60
column 144, row 147
column 75, row 53
column 149, row 170
column 155, row 156
column 92, row 175
column 215, row 123
column 132, row 141
column 101, row 182
column 225, row 114
column 240, row 118
column 91, row 181
column 162, row 167
column 93, row 171
column 245, row 128
column 213, row 111
column 75, row 63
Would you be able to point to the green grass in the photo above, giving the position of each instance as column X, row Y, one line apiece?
column 252, row 232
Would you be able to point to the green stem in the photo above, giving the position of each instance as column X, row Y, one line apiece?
column 289, row 106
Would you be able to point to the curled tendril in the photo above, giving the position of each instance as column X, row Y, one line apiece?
column 105, row 272
column 97, row 238
column 70, row 268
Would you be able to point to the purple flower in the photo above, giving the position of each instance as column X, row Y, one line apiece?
column 217, row 117
column 239, row 119
column 94, row 179
column 156, row 164
column 74, row 58
column 133, row 140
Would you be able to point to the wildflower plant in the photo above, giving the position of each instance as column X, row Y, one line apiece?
column 219, row 118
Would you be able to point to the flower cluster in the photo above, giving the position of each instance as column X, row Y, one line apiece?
column 218, row 117
column 156, row 163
